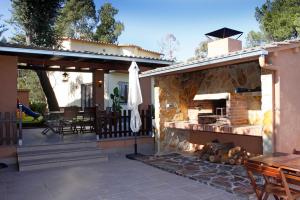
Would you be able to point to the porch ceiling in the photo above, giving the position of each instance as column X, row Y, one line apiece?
column 45, row 59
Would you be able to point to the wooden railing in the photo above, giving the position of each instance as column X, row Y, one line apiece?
column 113, row 125
column 8, row 128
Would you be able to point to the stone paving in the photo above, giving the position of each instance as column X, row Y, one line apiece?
column 117, row 179
column 231, row 178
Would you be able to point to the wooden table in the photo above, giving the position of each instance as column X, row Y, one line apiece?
column 289, row 163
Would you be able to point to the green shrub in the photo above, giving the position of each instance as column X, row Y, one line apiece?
column 38, row 107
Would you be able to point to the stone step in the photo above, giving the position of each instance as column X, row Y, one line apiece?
column 59, row 146
column 57, row 153
column 31, row 165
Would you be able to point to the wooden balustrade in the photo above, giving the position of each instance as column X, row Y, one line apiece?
column 114, row 124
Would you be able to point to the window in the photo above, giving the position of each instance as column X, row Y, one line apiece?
column 86, row 95
column 123, row 87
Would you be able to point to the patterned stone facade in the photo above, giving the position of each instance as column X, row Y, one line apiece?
column 176, row 93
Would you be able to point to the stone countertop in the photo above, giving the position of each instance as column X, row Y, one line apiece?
column 247, row 129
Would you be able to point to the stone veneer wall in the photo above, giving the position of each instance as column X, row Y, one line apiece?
column 176, row 92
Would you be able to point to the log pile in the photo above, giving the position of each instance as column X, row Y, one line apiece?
column 225, row 153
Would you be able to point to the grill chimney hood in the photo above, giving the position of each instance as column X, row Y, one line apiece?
column 224, row 33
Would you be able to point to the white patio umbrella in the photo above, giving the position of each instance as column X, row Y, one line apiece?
column 134, row 100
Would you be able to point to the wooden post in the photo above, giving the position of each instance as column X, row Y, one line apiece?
column 20, row 138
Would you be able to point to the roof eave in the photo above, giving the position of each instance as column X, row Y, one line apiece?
column 206, row 62
column 57, row 53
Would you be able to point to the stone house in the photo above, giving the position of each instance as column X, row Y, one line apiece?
column 246, row 96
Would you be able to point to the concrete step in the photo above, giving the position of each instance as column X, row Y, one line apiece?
column 56, row 146
column 60, row 162
column 57, row 153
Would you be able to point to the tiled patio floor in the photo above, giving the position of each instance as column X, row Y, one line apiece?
column 232, row 178
column 119, row 178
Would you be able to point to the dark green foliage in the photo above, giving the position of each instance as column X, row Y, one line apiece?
column 28, row 79
column 35, row 19
column 77, row 19
column 109, row 29
column 280, row 18
column 116, row 99
column 39, row 107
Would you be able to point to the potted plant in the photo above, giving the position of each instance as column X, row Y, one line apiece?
column 116, row 104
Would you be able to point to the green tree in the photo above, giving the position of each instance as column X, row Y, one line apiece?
column 27, row 79
column 258, row 38
column 109, row 29
column 3, row 27
column 35, row 19
column 280, row 18
column 200, row 51
column 77, row 19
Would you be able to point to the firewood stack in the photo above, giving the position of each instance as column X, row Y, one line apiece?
column 225, row 153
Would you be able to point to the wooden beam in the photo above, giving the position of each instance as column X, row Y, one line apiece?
column 31, row 67
column 41, row 64
column 102, row 64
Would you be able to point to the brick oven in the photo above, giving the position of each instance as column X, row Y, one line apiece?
column 219, row 109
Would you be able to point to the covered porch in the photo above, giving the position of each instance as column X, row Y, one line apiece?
column 14, row 57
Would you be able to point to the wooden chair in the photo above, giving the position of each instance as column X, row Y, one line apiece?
column 69, row 122
column 88, row 120
column 296, row 152
column 275, row 182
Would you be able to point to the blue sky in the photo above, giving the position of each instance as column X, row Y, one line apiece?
column 147, row 21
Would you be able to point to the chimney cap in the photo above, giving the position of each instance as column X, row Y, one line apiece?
column 224, row 33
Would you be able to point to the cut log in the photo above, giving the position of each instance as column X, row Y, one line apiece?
column 225, row 153
column 231, row 161
column 234, row 151
column 225, row 158
column 215, row 158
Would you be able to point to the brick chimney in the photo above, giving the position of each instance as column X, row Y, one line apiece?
column 222, row 43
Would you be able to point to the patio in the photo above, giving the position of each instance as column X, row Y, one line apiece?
column 119, row 178
column 231, row 178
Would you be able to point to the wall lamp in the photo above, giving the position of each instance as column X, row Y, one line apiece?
column 66, row 77
column 100, row 83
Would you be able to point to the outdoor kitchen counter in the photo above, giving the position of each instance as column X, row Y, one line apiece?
column 253, row 130
column 186, row 136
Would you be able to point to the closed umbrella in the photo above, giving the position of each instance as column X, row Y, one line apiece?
column 134, row 100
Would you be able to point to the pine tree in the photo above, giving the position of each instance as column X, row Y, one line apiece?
column 77, row 19
column 109, row 29
column 280, row 18
column 35, row 20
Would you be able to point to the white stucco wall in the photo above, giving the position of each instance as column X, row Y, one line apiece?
column 64, row 95
column 62, row 89
column 111, row 81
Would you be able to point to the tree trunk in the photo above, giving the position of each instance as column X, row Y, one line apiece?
column 44, row 81
column 48, row 90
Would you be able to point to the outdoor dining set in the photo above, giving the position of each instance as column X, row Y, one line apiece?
column 280, row 172
column 71, row 120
